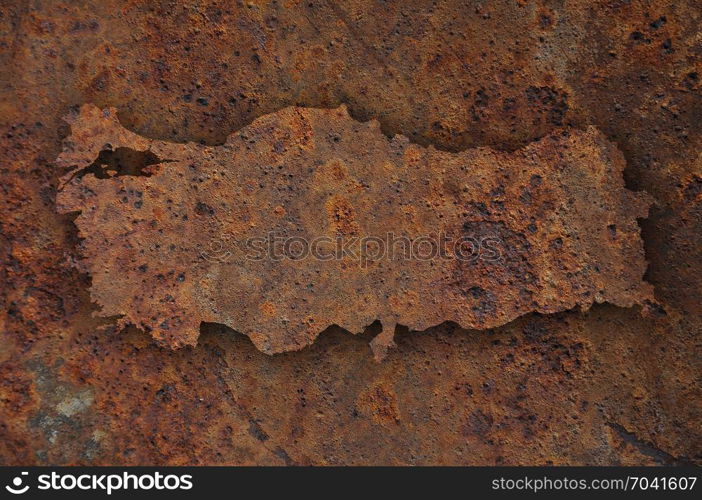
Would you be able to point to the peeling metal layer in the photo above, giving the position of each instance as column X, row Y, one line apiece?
column 308, row 218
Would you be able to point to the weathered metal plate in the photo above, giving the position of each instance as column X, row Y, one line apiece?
column 604, row 387
column 308, row 218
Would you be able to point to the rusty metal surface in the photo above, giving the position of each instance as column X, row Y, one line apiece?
column 605, row 386
column 320, row 220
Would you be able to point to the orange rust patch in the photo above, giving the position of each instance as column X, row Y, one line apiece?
column 379, row 403
column 342, row 216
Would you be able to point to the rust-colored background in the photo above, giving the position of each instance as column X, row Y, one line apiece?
column 609, row 386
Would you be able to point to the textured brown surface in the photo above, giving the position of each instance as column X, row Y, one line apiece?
column 603, row 387
column 479, row 237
